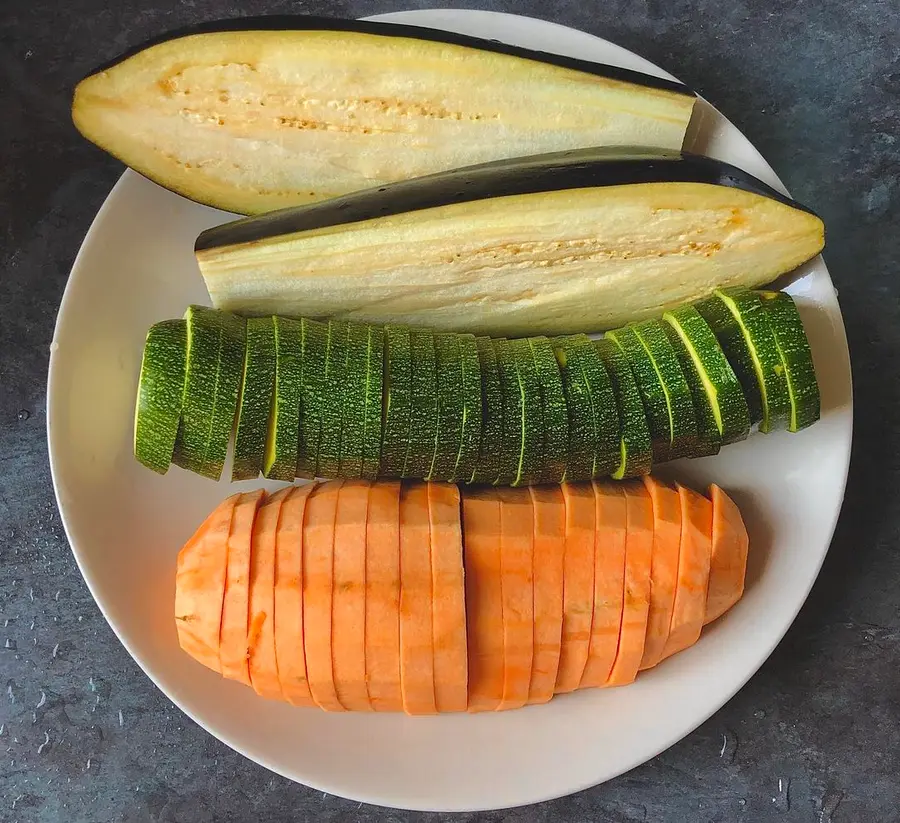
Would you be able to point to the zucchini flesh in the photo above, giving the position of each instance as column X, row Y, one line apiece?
column 510, row 444
column 397, row 367
column 256, row 114
column 450, row 406
column 353, row 395
column 488, row 464
column 423, row 411
column 532, row 452
column 314, row 396
column 796, row 358
column 578, row 242
column 582, row 422
column 554, row 412
column 160, row 394
column 214, row 357
column 329, row 455
column 257, row 390
column 470, row 435
column 284, row 424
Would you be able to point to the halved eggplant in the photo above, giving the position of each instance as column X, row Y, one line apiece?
column 578, row 241
column 255, row 114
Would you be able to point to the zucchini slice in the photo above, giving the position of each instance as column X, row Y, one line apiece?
column 214, row 368
column 255, row 114
column 635, row 447
column 487, row 468
column 631, row 236
column 680, row 403
column 160, row 394
column 744, row 331
column 510, row 444
column 711, row 377
column 423, row 409
column 796, row 357
column 282, row 443
column 555, row 413
column 334, row 384
column 353, row 396
column 450, row 405
column 582, row 416
column 532, row 432
column 257, row 390
column 397, row 369
column 313, row 394
column 470, row 436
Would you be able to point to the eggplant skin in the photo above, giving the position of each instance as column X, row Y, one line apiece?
column 255, row 114
column 575, row 242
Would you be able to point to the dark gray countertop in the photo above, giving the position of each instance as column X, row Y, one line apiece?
column 814, row 736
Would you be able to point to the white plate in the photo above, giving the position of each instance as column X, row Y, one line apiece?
column 126, row 524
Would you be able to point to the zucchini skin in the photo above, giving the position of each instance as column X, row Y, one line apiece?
column 556, row 171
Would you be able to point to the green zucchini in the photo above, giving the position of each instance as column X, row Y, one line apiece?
column 531, row 452
column 448, row 434
column 722, row 413
column 353, row 396
column 679, row 402
column 510, row 445
column 397, row 367
column 335, row 379
column 257, row 391
column 423, row 411
column 160, row 394
column 744, row 331
column 554, row 412
column 470, row 437
column 214, row 368
column 796, row 358
column 635, row 445
column 582, row 418
column 282, row 443
column 487, row 468
column 313, row 394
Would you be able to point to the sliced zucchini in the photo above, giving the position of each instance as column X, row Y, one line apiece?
column 423, row 410
column 314, row 348
column 582, row 422
column 554, row 413
column 635, row 445
column 487, row 468
column 796, row 357
column 257, row 390
column 284, row 423
column 374, row 418
column 397, row 368
column 651, row 388
column 744, row 331
column 160, row 394
column 353, row 396
column 214, row 368
column 679, row 402
column 470, row 436
column 711, row 378
column 531, row 453
column 448, row 435
column 335, row 380
column 510, row 444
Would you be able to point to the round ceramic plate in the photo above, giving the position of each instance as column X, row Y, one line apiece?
column 126, row 524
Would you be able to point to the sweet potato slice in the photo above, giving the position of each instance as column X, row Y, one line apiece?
column 236, row 605
column 383, row 597
column 416, row 596
column 693, row 571
column 728, row 563
column 348, row 607
column 484, row 600
column 549, row 553
column 318, row 590
column 448, row 599
column 517, row 589
column 578, row 584
column 663, row 567
column 200, row 586
column 609, row 582
column 636, row 605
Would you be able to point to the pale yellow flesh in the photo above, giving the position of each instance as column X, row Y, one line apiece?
column 582, row 260
column 253, row 121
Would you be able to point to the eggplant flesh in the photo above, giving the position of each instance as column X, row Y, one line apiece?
column 288, row 111
column 544, row 255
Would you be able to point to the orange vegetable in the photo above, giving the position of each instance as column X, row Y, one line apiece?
column 200, row 586
column 728, row 563
column 448, row 599
column 549, row 552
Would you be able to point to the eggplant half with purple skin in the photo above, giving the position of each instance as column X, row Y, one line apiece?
column 255, row 114
column 578, row 241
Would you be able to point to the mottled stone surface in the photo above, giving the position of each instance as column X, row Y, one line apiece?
column 814, row 736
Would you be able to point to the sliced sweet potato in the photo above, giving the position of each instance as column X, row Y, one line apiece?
column 728, row 563
column 636, row 605
column 663, row 567
column 236, row 605
column 200, row 586
column 290, row 655
column 517, row 589
column 578, row 584
column 348, row 607
column 416, row 640
column 383, row 597
column 693, row 571
column 318, row 589
column 484, row 600
column 609, row 582
column 448, row 599
column 549, row 553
